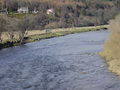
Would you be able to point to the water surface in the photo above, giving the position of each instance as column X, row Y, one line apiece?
column 63, row 63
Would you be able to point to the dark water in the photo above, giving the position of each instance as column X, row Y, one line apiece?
column 64, row 63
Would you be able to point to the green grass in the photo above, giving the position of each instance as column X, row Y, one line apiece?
column 54, row 33
column 19, row 16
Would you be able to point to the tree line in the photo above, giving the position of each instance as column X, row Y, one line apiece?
column 70, row 13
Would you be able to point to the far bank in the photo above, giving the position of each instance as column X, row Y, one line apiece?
column 37, row 35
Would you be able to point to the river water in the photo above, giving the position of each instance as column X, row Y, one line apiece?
column 63, row 63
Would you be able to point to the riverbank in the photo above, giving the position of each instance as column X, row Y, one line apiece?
column 37, row 35
column 112, row 58
column 111, row 51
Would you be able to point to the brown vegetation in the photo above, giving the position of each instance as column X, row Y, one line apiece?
column 112, row 46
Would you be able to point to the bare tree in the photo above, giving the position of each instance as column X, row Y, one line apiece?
column 3, row 23
column 24, row 25
column 12, row 28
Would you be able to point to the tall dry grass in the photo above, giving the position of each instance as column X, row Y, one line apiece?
column 112, row 46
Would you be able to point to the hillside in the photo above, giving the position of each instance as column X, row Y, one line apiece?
column 69, row 13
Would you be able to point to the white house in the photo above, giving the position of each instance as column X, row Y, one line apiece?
column 50, row 12
column 23, row 10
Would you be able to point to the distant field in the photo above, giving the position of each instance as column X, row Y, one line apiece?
column 33, row 32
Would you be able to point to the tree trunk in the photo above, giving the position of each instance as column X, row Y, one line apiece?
column 11, row 36
column 0, row 37
column 23, row 34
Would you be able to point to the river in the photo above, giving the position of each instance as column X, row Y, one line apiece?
column 64, row 63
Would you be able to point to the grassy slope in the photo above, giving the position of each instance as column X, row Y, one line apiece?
column 111, row 52
column 36, row 35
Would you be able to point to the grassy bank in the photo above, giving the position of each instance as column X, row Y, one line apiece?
column 36, row 35
column 111, row 52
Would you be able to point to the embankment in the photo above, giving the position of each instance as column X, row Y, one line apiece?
column 111, row 52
